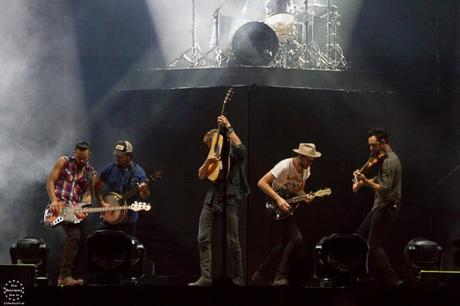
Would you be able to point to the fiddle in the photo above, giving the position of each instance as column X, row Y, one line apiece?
column 217, row 143
column 373, row 160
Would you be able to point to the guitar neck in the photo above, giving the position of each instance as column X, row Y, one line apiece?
column 300, row 198
column 296, row 199
column 101, row 209
column 129, row 194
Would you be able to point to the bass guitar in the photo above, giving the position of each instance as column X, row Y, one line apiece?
column 293, row 200
column 117, row 200
column 217, row 143
column 66, row 213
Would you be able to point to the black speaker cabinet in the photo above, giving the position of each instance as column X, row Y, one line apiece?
column 439, row 278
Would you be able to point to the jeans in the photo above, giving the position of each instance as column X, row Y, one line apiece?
column 210, row 213
column 374, row 228
column 74, row 249
column 290, row 238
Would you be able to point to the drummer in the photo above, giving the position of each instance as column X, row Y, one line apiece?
column 273, row 7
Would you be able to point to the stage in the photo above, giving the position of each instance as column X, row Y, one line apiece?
column 267, row 296
column 330, row 80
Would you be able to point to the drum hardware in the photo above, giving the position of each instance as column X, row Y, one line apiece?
column 332, row 49
column 193, row 54
column 215, row 44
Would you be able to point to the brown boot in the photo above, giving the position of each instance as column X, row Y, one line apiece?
column 69, row 281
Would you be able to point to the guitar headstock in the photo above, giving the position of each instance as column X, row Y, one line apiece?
column 229, row 95
column 323, row 192
column 154, row 176
column 138, row 206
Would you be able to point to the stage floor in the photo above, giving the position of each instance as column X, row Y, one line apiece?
column 232, row 295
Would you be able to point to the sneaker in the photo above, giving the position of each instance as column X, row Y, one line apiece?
column 201, row 282
column 238, row 281
column 69, row 281
column 280, row 282
column 258, row 279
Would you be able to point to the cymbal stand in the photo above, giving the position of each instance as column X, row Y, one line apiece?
column 332, row 49
column 312, row 56
column 218, row 52
column 192, row 54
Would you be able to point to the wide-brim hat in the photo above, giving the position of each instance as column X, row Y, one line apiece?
column 307, row 149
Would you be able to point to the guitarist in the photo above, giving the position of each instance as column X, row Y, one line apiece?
column 119, row 177
column 71, row 181
column 289, row 174
column 237, row 189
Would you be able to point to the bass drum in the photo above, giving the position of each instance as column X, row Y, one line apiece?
column 117, row 216
column 255, row 44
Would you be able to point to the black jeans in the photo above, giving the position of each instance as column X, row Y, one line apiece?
column 73, row 261
column 374, row 228
column 210, row 213
column 290, row 238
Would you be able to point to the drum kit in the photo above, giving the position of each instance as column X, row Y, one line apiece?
column 301, row 36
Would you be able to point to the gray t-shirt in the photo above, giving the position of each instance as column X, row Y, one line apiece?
column 389, row 177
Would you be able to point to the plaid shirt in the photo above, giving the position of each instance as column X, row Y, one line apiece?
column 67, row 187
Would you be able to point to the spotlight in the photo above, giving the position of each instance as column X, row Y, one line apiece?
column 340, row 259
column 114, row 257
column 31, row 251
column 422, row 254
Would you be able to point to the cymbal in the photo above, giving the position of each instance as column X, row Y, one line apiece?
column 279, row 19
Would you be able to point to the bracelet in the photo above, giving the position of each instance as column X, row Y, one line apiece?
column 230, row 130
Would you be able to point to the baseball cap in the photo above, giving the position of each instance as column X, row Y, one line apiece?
column 123, row 147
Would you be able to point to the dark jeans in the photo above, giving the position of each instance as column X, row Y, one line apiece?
column 210, row 213
column 73, row 262
column 290, row 238
column 374, row 228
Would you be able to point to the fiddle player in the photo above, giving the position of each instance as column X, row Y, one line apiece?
column 387, row 199
column 237, row 189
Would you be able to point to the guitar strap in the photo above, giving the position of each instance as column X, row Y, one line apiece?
column 127, row 184
column 89, row 179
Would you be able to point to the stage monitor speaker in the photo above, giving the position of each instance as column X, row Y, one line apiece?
column 439, row 278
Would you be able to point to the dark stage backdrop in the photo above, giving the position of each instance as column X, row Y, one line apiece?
column 166, row 128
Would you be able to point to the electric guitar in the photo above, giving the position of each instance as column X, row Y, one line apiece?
column 217, row 143
column 293, row 200
column 66, row 213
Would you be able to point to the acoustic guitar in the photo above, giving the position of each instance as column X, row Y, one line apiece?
column 217, row 143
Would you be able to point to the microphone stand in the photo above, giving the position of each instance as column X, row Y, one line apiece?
column 195, row 50
column 224, row 280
